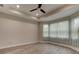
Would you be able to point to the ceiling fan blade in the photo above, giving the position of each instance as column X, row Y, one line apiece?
column 33, row 10
column 42, row 10
column 39, row 5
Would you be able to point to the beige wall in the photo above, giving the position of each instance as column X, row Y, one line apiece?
column 14, row 33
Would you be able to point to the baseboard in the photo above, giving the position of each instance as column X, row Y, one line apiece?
column 16, row 45
column 62, row 45
column 7, row 48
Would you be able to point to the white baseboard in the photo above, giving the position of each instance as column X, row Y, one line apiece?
column 63, row 45
column 18, row 45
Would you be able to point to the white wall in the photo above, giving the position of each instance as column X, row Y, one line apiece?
column 14, row 33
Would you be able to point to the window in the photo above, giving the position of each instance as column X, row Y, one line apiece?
column 53, row 30
column 59, row 30
column 45, row 30
column 63, row 32
column 63, row 29
column 75, row 32
column 75, row 28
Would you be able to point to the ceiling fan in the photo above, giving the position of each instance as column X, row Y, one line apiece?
column 39, row 7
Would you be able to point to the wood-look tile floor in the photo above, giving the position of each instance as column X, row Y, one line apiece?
column 40, row 49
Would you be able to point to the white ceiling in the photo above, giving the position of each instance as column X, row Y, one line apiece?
column 53, row 11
